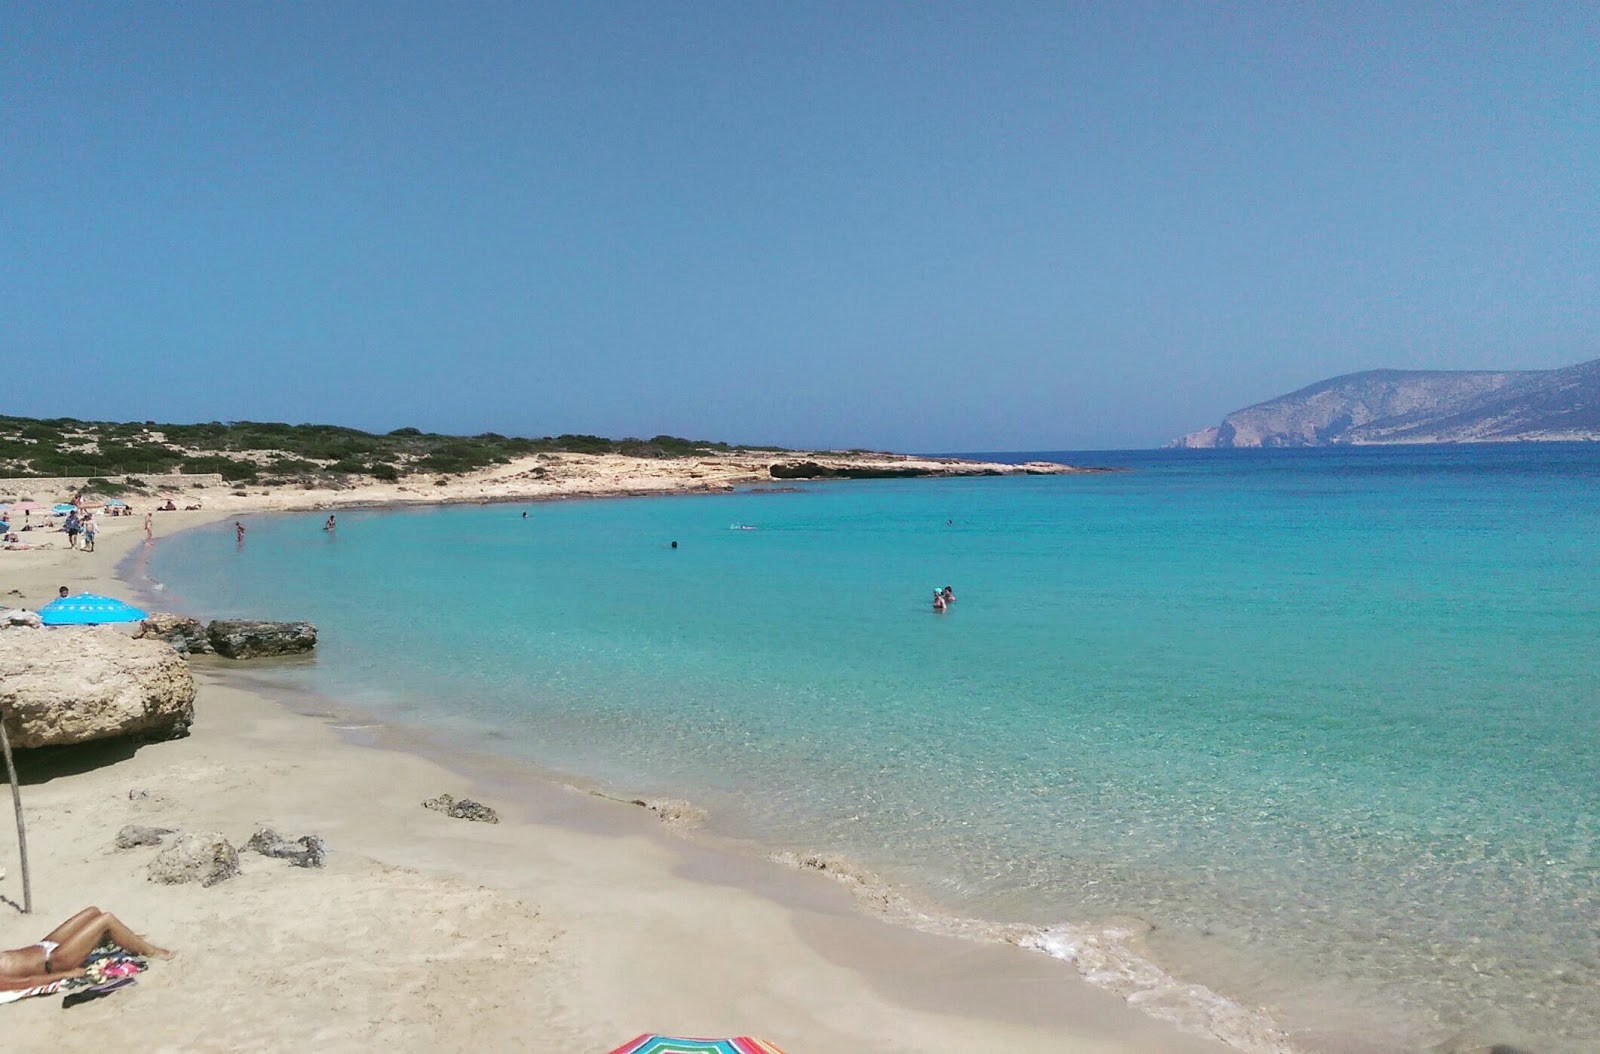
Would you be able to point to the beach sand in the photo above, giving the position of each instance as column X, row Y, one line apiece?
column 574, row 924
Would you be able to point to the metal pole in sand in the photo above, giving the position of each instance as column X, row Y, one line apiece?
column 22, row 830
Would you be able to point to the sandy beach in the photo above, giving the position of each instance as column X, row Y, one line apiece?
column 572, row 925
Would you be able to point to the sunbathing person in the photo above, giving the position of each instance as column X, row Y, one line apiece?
column 63, row 953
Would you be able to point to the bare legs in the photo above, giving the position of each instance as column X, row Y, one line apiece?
column 79, row 935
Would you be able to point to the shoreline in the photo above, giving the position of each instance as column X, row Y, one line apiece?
column 777, row 952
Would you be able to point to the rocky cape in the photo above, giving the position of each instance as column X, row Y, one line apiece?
column 1419, row 406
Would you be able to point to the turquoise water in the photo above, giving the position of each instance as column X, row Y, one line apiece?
column 1328, row 719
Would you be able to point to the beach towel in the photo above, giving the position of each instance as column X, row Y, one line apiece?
column 650, row 1043
column 28, row 993
column 107, row 965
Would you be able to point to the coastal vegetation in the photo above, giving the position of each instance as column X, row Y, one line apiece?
column 274, row 452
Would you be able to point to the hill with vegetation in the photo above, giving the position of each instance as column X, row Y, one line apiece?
column 273, row 453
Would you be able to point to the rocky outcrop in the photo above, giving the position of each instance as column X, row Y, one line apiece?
column 73, row 685
column 1419, row 406
column 817, row 470
column 305, row 851
column 463, row 809
column 254, row 639
column 186, row 635
column 204, row 858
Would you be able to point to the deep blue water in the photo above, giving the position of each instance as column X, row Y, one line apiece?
column 1328, row 718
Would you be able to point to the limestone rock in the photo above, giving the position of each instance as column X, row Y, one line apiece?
column 186, row 635
column 462, row 809
column 305, row 851
column 20, row 617
column 253, row 638
column 76, row 684
column 133, row 835
column 204, row 858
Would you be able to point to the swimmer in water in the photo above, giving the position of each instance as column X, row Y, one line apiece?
column 948, row 594
column 938, row 601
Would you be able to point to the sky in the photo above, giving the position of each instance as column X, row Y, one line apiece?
column 927, row 227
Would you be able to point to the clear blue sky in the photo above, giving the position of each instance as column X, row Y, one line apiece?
column 926, row 227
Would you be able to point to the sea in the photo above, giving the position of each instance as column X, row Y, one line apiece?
column 1296, row 748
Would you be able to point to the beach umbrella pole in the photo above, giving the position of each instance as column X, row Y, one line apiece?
column 22, row 829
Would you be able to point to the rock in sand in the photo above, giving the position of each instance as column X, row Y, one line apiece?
column 133, row 835
column 464, row 809
column 255, row 639
column 305, row 851
column 186, row 635
column 72, row 685
column 204, row 858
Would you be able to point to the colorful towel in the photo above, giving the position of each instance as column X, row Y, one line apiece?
column 655, row 1044
column 27, row 993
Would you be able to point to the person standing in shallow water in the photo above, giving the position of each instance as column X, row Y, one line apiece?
column 939, row 604
column 149, row 527
column 238, row 531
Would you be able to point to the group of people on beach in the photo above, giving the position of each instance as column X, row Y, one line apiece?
column 77, row 525
column 943, row 598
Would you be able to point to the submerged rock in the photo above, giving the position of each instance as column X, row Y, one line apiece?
column 204, row 858
column 133, row 835
column 76, row 684
column 254, row 638
column 464, row 809
column 305, row 851
column 186, row 635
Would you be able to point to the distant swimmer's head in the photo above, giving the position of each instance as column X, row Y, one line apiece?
column 674, row 545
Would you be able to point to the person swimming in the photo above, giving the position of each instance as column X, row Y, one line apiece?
column 939, row 601
column 948, row 594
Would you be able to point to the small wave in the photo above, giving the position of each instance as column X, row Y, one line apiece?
column 1107, row 957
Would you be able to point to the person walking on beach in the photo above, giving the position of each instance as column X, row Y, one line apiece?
column 73, row 526
column 149, row 527
column 88, row 532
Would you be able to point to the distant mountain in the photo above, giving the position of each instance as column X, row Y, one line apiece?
column 1420, row 406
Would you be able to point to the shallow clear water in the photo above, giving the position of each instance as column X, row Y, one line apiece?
column 1328, row 718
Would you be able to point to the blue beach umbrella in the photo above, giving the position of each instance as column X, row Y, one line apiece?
column 87, row 609
column 63, row 509
column 114, row 502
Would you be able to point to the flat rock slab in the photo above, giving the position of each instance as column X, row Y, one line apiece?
column 256, row 639
column 306, row 851
column 134, row 835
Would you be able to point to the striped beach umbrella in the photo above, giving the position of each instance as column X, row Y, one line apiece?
column 654, row 1044
column 88, row 609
